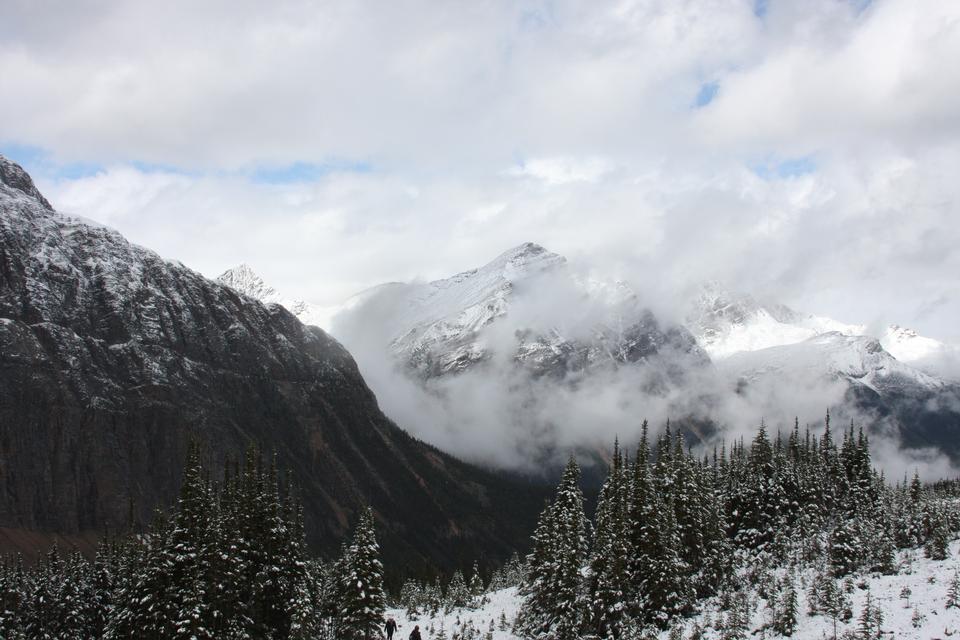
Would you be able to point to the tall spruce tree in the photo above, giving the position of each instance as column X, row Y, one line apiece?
column 362, row 599
column 610, row 575
column 554, row 601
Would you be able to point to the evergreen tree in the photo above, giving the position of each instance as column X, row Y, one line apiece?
column 362, row 601
column 737, row 623
column 610, row 576
column 475, row 586
column 953, row 592
column 834, row 602
column 786, row 614
column 870, row 623
column 458, row 594
column 554, row 605
column 844, row 548
column 917, row 619
column 936, row 547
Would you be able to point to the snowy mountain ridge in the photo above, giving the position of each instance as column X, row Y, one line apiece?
column 933, row 356
column 524, row 307
column 452, row 311
column 860, row 359
column 728, row 323
column 243, row 279
column 449, row 311
column 528, row 318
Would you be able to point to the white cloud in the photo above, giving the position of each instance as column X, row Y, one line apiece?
column 888, row 77
column 598, row 98
column 557, row 171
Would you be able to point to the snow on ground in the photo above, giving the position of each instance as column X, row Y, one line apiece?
column 500, row 605
column 926, row 580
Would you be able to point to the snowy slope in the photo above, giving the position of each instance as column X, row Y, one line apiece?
column 926, row 580
column 245, row 280
column 930, row 355
column 727, row 323
column 859, row 359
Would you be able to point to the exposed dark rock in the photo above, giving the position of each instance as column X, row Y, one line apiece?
column 112, row 359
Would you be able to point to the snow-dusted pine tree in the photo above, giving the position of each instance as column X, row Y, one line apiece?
column 554, row 604
column 953, row 592
column 458, row 594
column 362, row 600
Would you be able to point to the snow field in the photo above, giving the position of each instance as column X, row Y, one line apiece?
column 921, row 585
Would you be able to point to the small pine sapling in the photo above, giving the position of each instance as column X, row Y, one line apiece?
column 917, row 619
column 953, row 593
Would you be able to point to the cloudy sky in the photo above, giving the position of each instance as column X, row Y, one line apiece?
column 805, row 149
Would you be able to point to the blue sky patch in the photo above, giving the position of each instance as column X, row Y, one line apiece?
column 784, row 168
column 39, row 162
column 155, row 167
column 306, row 171
column 706, row 94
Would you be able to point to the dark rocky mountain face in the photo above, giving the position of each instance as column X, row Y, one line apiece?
column 112, row 359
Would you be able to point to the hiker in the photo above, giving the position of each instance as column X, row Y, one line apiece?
column 390, row 627
column 415, row 634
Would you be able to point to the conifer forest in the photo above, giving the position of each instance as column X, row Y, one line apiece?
column 672, row 530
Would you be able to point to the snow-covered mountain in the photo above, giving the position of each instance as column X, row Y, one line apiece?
column 728, row 323
column 564, row 358
column 527, row 341
column 776, row 356
column 933, row 356
column 526, row 308
column 243, row 279
column 859, row 359
column 753, row 339
column 520, row 361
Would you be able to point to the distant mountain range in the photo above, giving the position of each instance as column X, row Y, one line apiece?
column 112, row 359
column 528, row 315
column 728, row 323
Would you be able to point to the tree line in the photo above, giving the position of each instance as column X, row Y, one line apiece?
column 230, row 563
column 672, row 528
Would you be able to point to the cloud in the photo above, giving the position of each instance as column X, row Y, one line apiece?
column 884, row 75
column 557, row 171
column 496, row 413
column 805, row 151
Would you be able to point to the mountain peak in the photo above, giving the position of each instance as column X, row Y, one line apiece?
column 527, row 249
column 528, row 256
column 245, row 280
column 13, row 176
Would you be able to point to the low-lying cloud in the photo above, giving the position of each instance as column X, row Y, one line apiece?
column 498, row 413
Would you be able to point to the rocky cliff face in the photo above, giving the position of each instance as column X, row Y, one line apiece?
column 112, row 359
